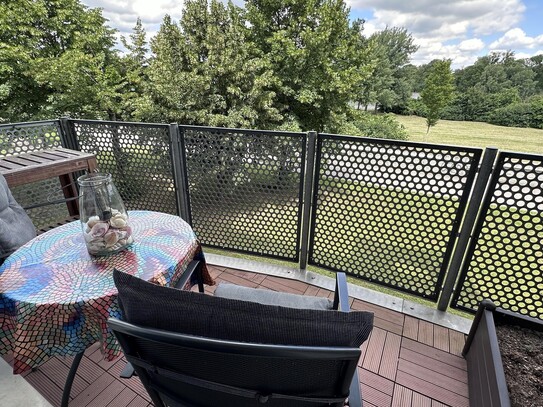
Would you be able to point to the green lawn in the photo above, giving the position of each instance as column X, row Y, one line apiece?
column 474, row 134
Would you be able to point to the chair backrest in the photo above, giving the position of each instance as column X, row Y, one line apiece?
column 187, row 370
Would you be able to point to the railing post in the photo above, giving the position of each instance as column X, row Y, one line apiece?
column 308, row 194
column 467, row 226
column 68, row 138
column 180, row 173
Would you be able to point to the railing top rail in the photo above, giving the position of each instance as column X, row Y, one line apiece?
column 28, row 124
column 374, row 140
column 522, row 156
column 243, row 131
column 120, row 123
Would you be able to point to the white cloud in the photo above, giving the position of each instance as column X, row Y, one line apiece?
column 452, row 29
column 445, row 19
column 122, row 14
column 517, row 39
column 471, row 45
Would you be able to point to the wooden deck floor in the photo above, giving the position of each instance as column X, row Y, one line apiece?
column 406, row 361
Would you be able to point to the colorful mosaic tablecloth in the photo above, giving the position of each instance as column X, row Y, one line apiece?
column 55, row 298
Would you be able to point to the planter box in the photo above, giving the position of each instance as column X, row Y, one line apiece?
column 486, row 379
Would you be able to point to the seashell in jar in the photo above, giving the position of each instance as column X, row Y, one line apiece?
column 99, row 229
column 127, row 231
column 96, row 245
column 93, row 220
column 110, row 238
column 118, row 222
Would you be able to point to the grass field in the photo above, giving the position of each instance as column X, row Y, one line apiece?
column 474, row 134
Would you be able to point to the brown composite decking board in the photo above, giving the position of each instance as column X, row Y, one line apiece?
column 406, row 362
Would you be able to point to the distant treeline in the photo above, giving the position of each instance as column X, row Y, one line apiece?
column 497, row 89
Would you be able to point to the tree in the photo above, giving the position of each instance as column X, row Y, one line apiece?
column 391, row 49
column 205, row 71
column 57, row 59
column 438, row 91
column 314, row 52
column 134, row 65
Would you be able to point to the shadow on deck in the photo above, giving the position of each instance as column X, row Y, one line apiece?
column 405, row 362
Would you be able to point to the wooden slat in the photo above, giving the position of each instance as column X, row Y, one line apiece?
column 91, row 392
column 431, row 390
column 422, row 401
column 49, row 390
column 445, row 382
column 411, row 327
column 434, row 353
column 376, row 381
column 403, row 397
column 434, row 365
column 441, row 338
column 375, row 396
column 426, row 333
column 457, row 341
column 374, row 352
column 391, row 352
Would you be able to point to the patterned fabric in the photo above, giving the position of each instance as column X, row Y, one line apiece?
column 55, row 298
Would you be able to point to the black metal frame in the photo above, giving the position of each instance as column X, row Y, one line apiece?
column 498, row 175
column 476, row 154
column 226, row 131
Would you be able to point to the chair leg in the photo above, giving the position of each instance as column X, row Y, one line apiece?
column 355, row 396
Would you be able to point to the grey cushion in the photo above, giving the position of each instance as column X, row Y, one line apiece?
column 270, row 297
column 16, row 228
column 147, row 304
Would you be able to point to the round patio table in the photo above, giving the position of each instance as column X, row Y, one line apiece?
column 55, row 298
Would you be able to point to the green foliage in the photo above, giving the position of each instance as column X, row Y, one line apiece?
column 206, row 72
column 134, row 67
column 493, row 82
column 438, row 91
column 521, row 114
column 373, row 125
column 390, row 84
column 57, row 59
column 315, row 55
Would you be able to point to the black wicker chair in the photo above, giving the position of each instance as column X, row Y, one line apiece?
column 196, row 361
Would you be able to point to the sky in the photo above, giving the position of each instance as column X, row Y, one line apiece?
column 460, row 30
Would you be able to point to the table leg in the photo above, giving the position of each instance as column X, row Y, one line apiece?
column 70, row 379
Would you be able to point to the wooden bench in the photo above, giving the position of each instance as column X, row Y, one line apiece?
column 40, row 165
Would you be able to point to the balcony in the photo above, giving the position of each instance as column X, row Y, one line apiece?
column 449, row 225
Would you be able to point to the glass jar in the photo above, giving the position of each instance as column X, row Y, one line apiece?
column 103, row 216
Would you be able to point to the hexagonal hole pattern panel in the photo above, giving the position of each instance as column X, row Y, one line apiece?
column 507, row 262
column 245, row 189
column 24, row 138
column 139, row 158
column 385, row 212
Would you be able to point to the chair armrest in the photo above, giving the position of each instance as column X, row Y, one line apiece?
column 341, row 294
column 195, row 266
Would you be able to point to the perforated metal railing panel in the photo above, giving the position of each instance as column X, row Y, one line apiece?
column 505, row 257
column 246, row 189
column 21, row 138
column 139, row 158
column 387, row 211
